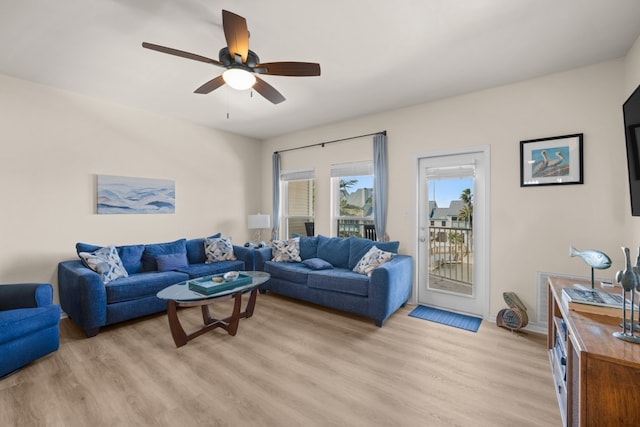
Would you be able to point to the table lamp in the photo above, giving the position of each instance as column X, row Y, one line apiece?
column 258, row 222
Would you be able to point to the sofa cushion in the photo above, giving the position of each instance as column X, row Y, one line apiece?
column 308, row 246
column 106, row 262
column 339, row 280
column 359, row 247
column 195, row 249
column 335, row 250
column 131, row 255
column 207, row 269
column 218, row 249
column 286, row 250
column 25, row 321
column 152, row 251
column 142, row 285
column 371, row 260
column 295, row 272
column 317, row 264
column 168, row 262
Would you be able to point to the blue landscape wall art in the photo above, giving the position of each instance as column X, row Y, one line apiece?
column 126, row 195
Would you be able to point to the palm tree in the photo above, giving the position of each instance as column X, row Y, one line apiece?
column 466, row 213
column 346, row 186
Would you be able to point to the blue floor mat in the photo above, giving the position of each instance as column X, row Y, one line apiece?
column 456, row 320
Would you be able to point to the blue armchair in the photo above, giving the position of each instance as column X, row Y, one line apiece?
column 29, row 324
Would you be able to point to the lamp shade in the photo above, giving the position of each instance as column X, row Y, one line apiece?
column 258, row 221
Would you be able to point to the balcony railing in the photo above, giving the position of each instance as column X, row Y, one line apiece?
column 352, row 227
column 451, row 253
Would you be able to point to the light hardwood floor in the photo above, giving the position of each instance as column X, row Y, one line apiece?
column 291, row 364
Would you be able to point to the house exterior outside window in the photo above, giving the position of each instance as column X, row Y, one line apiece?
column 352, row 198
column 298, row 197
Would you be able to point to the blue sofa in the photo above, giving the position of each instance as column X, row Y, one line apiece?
column 91, row 303
column 29, row 324
column 332, row 282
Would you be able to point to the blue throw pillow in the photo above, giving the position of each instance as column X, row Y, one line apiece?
column 195, row 249
column 106, row 262
column 373, row 259
column 131, row 255
column 359, row 247
column 219, row 249
column 152, row 251
column 317, row 264
column 286, row 250
column 168, row 262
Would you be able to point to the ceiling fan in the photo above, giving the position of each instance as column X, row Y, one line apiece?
column 242, row 64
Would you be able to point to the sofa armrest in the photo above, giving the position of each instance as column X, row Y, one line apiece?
column 25, row 295
column 246, row 255
column 262, row 255
column 82, row 295
column 390, row 287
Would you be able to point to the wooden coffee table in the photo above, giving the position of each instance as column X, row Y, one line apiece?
column 179, row 295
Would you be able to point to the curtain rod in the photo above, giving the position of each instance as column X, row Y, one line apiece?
column 322, row 144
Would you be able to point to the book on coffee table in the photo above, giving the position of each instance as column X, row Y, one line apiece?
column 212, row 285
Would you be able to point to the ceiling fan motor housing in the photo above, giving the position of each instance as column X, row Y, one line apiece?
column 227, row 60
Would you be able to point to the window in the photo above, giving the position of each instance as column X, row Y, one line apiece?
column 298, row 196
column 352, row 198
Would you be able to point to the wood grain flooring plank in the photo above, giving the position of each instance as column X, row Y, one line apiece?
column 292, row 363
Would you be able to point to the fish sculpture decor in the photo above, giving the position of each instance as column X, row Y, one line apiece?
column 594, row 259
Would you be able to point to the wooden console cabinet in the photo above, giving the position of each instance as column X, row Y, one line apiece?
column 597, row 376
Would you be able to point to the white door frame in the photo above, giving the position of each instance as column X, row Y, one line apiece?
column 484, row 294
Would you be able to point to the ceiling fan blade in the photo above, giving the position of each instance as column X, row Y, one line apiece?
column 210, row 86
column 236, row 34
column 268, row 91
column 181, row 53
column 299, row 69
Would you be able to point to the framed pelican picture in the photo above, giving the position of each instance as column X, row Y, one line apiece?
column 551, row 161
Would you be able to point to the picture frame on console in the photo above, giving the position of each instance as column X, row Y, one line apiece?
column 555, row 160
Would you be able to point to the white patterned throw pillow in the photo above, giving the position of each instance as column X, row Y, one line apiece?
column 372, row 259
column 286, row 250
column 218, row 249
column 106, row 262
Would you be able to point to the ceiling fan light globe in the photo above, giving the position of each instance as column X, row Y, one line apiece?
column 239, row 79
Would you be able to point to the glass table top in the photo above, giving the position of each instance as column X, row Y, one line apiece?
column 181, row 291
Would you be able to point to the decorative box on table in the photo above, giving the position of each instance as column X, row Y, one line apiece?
column 207, row 285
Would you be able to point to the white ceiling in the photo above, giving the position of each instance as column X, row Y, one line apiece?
column 375, row 55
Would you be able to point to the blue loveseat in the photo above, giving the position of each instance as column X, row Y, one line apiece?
column 324, row 275
column 91, row 303
column 29, row 324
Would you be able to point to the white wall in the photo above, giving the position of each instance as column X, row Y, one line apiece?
column 632, row 68
column 531, row 228
column 54, row 143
